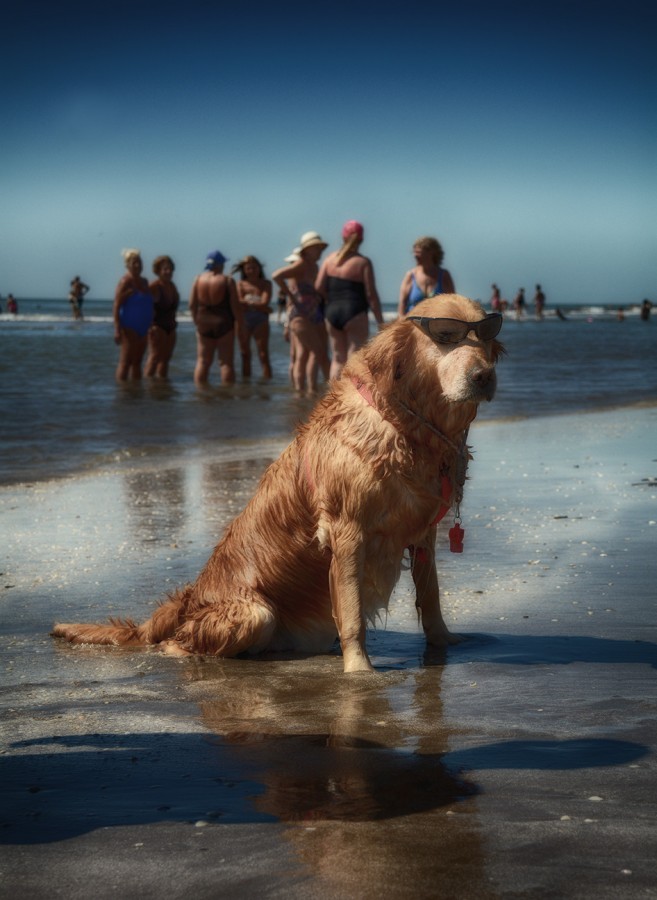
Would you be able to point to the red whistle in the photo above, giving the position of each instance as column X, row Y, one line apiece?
column 456, row 538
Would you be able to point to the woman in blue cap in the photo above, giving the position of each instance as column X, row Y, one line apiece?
column 215, row 309
column 133, row 315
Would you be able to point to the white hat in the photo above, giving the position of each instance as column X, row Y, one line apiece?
column 295, row 256
column 311, row 239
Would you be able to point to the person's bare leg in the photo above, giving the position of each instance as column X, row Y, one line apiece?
column 204, row 357
column 226, row 354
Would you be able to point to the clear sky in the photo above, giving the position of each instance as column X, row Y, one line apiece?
column 522, row 135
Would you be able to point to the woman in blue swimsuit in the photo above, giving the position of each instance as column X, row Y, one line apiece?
column 133, row 315
column 427, row 279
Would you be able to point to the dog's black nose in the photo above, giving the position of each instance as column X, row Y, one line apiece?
column 483, row 380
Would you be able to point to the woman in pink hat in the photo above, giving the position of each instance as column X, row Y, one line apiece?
column 346, row 281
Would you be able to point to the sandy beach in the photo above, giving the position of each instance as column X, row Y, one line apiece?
column 520, row 763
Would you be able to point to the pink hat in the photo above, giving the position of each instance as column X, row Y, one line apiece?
column 352, row 227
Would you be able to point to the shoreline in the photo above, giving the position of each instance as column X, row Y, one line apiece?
column 250, row 447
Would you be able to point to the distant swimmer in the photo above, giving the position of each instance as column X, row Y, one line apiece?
column 560, row 315
column 12, row 305
column 646, row 306
column 519, row 303
column 76, row 296
column 539, row 302
column 496, row 299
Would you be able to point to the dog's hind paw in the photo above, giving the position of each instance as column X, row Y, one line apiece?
column 172, row 648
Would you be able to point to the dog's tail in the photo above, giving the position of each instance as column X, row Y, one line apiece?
column 124, row 632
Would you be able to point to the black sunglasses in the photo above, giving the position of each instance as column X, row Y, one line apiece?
column 453, row 331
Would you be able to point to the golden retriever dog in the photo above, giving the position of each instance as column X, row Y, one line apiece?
column 318, row 549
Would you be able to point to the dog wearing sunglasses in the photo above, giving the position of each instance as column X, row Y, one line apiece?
column 317, row 551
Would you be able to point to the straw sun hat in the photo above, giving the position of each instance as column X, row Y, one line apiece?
column 311, row 239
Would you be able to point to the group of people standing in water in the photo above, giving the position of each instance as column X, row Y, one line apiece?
column 327, row 308
column 497, row 304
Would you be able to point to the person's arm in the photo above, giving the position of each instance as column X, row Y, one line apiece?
column 235, row 304
column 193, row 300
column 404, row 291
column 371, row 292
column 123, row 290
column 265, row 298
column 280, row 277
column 320, row 281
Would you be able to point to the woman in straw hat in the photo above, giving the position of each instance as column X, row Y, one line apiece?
column 346, row 280
column 305, row 313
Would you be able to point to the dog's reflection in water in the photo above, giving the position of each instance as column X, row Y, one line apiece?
column 354, row 766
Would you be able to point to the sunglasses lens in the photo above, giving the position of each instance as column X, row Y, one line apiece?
column 447, row 331
column 490, row 327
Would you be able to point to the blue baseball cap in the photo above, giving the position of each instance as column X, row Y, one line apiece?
column 216, row 258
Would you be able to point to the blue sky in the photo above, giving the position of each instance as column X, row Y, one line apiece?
column 523, row 136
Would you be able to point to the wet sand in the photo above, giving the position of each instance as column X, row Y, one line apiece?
column 521, row 763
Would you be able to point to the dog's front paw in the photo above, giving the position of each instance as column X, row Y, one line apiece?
column 173, row 648
column 355, row 659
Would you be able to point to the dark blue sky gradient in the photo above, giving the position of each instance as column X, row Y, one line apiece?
column 523, row 136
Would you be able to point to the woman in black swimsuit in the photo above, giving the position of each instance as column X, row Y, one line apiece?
column 346, row 280
column 162, row 333
column 215, row 310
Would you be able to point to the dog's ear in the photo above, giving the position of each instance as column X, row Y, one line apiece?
column 498, row 351
column 387, row 355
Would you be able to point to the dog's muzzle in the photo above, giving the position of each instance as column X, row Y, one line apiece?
column 483, row 382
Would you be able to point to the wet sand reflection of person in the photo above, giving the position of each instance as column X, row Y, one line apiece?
column 155, row 503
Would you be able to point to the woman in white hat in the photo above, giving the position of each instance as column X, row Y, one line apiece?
column 305, row 313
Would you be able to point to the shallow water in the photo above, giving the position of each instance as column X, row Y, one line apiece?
column 62, row 412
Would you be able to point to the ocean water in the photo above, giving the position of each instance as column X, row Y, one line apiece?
column 61, row 411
